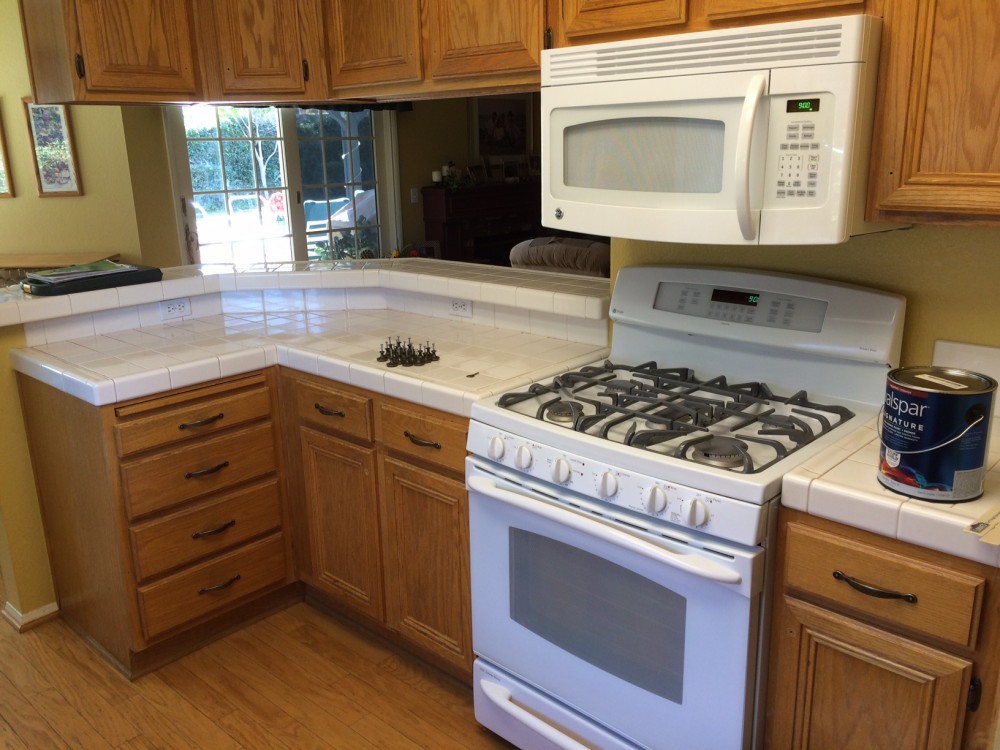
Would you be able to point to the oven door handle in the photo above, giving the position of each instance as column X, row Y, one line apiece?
column 501, row 697
column 692, row 564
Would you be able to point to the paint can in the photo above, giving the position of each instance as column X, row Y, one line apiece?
column 935, row 430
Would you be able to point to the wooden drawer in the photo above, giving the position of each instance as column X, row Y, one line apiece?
column 947, row 602
column 162, row 422
column 209, row 587
column 165, row 479
column 208, row 528
column 333, row 409
column 423, row 433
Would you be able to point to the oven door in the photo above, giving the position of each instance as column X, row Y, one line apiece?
column 653, row 637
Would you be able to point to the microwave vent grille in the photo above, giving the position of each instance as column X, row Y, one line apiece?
column 751, row 48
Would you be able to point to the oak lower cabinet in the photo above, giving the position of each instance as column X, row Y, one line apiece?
column 381, row 513
column 164, row 516
column 879, row 644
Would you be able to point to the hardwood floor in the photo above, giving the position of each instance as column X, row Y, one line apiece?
column 297, row 679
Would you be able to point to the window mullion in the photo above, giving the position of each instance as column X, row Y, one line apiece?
column 295, row 212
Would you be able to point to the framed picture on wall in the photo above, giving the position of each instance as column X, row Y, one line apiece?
column 51, row 136
column 6, row 186
column 500, row 126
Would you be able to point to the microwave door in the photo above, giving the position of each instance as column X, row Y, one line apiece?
column 676, row 159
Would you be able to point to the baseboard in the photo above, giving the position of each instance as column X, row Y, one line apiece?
column 28, row 620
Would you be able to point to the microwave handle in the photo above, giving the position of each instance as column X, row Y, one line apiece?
column 501, row 697
column 691, row 564
column 744, row 143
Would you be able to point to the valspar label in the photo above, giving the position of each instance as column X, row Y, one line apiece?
column 935, row 433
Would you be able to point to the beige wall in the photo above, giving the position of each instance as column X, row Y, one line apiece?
column 949, row 276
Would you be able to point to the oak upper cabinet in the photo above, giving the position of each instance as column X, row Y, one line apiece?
column 111, row 50
column 373, row 42
column 879, row 644
column 267, row 50
column 936, row 147
column 588, row 21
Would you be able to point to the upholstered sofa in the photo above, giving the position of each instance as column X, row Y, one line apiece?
column 563, row 255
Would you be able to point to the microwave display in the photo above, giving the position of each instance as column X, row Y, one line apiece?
column 802, row 105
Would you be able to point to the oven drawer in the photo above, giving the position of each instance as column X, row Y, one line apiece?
column 424, row 434
column 940, row 603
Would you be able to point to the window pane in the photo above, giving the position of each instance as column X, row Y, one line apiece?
column 234, row 122
column 269, row 162
column 307, row 123
column 238, row 159
column 334, row 124
column 206, row 165
column 265, row 122
column 335, row 171
column 311, row 162
column 199, row 121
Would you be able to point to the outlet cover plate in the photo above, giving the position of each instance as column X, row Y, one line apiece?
column 461, row 308
column 175, row 308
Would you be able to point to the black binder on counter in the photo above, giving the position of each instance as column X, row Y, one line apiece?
column 66, row 281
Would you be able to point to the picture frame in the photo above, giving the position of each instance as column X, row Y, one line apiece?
column 500, row 126
column 6, row 183
column 54, row 156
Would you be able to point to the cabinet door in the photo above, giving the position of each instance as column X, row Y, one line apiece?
column 137, row 45
column 471, row 38
column 936, row 147
column 373, row 41
column 426, row 532
column 341, row 498
column 585, row 21
column 849, row 685
column 263, row 49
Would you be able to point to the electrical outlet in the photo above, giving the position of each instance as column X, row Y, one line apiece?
column 461, row 308
column 414, row 195
column 175, row 308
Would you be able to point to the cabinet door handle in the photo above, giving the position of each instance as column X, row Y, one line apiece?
column 220, row 586
column 213, row 532
column 201, row 422
column 868, row 590
column 421, row 442
column 328, row 412
column 206, row 472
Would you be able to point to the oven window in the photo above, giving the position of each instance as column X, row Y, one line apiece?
column 630, row 154
column 618, row 621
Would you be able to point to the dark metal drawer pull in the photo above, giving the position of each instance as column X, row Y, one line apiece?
column 328, row 412
column 201, row 422
column 219, row 587
column 206, row 472
column 422, row 443
column 213, row 532
column 878, row 593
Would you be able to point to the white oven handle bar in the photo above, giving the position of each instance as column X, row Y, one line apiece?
column 689, row 564
column 744, row 142
column 501, row 697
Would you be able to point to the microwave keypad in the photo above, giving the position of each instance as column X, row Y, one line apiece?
column 798, row 163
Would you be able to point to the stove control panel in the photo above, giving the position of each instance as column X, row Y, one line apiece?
column 647, row 497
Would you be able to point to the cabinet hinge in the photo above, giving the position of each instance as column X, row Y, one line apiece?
column 305, row 70
column 548, row 38
column 975, row 694
column 81, row 71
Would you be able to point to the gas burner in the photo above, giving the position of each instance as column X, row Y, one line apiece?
column 618, row 386
column 719, row 451
column 560, row 411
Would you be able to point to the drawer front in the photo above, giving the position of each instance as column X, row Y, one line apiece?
column 426, row 436
column 165, row 479
column 211, row 586
column 333, row 409
column 208, row 528
column 191, row 420
column 947, row 603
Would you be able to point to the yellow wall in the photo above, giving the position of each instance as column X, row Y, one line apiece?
column 949, row 276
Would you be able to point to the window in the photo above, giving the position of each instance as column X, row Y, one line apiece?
column 267, row 185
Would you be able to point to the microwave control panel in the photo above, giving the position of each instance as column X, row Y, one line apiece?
column 797, row 129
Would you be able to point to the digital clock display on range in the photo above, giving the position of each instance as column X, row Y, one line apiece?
column 802, row 105
column 736, row 297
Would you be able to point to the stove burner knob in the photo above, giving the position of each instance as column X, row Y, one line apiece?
column 523, row 458
column 562, row 472
column 697, row 514
column 607, row 485
column 496, row 448
column 656, row 500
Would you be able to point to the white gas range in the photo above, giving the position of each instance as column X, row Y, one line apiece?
column 620, row 512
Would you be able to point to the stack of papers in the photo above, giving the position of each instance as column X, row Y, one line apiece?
column 82, row 271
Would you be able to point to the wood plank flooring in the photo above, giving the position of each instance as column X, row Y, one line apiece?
column 297, row 679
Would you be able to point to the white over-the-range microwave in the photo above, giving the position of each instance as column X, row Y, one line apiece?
column 746, row 136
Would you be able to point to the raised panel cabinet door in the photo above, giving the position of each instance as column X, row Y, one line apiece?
column 426, row 532
column 936, row 144
column 137, row 45
column 859, row 686
column 373, row 41
column 341, row 498
column 472, row 38
column 586, row 21
column 259, row 46
column 736, row 9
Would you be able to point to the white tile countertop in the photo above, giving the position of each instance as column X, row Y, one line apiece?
column 329, row 321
